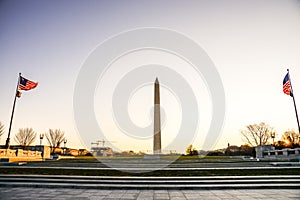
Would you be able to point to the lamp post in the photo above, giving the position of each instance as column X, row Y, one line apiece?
column 273, row 137
column 41, row 148
column 65, row 141
column 41, row 138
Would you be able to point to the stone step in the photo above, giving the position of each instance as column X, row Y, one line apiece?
column 145, row 186
column 152, row 182
column 244, row 182
column 160, row 178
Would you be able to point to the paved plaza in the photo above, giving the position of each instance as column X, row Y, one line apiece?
column 90, row 194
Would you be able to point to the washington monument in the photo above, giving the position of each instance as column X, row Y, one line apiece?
column 157, row 131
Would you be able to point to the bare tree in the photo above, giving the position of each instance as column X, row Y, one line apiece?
column 25, row 137
column 1, row 129
column 55, row 138
column 291, row 136
column 257, row 134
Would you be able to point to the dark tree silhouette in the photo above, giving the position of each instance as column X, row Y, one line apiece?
column 257, row 134
column 55, row 138
column 190, row 150
column 25, row 137
column 292, row 136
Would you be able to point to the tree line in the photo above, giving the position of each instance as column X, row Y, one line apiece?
column 262, row 134
column 27, row 136
column 255, row 135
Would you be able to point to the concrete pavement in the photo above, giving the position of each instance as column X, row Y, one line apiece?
column 22, row 193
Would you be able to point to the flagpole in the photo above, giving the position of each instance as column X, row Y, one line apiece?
column 292, row 92
column 7, row 144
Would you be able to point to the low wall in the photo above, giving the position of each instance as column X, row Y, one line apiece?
column 267, row 153
column 19, row 155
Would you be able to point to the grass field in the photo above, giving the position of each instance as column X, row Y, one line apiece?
column 176, row 159
column 112, row 172
column 62, row 167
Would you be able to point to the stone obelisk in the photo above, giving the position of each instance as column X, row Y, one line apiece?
column 157, row 131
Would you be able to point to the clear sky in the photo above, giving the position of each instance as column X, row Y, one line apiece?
column 251, row 44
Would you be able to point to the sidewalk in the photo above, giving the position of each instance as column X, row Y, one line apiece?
column 91, row 194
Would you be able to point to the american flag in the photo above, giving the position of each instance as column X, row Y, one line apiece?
column 287, row 89
column 26, row 84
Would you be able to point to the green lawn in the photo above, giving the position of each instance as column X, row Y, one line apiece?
column 184, row 160
column 112, row 172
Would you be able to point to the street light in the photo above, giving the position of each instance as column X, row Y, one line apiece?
column 273, row 136
column 65, row 141
column 41, row 138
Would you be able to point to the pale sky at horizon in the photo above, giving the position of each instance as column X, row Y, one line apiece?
column 251, row 43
